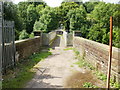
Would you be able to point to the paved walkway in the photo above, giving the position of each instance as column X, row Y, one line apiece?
column 59, row 71
column 55, row 70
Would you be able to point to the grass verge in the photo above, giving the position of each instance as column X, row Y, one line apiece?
column 19, row 76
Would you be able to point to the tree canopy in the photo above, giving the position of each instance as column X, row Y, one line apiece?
column 90, row 18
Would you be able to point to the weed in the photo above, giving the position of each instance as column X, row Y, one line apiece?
column 77, row 53
column 22, row 73
column 100, row 75
column 50, row 49
column 83, row 63
column 68, row 49
column 59, row 35
column 89, row 85
column 71, row 66
column 114, row 84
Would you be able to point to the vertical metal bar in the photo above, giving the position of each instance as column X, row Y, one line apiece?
column 1, row 28
column 13, row 40
column 110, row 53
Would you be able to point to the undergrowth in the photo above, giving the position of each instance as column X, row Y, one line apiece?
column 89, row 85
column 83, row 63
column 20, row 75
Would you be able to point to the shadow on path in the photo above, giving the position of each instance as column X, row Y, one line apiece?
column 40, row 82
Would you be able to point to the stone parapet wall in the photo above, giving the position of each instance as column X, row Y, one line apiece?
column 48, row 38
column 25, row 48
column 98, row 54
column 52, row 36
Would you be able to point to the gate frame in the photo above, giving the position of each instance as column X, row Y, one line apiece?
column 7, row 43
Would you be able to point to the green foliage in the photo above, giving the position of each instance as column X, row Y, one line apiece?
column 62, row 13
column 23, row 35
column 89, row 85
column 23, row 73
column 68, row 49
column 116, row 37
column 11, row 14
column 77, row 53
column 99, row 17
column 48, row 20
column 37, row 26
column 77, row 20
column 82, row 62
column 114, row 84
column 90, row 6
column 32, row 16
column 39, row 8
column 101, row 76
column 31, row 35
column 91, row 18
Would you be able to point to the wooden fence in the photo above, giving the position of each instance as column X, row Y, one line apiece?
column 8, row 52
column 7, row 46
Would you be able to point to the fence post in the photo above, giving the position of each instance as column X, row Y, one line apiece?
column 110, row 53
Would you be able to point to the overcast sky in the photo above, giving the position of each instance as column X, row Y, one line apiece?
column 54, row 3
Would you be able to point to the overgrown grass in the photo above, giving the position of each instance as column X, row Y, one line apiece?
column 89, row 85
column 83, row 63
column 114, row 84
column 100, row 75
column 71, row 66
column 66, row 49
column 22, row 73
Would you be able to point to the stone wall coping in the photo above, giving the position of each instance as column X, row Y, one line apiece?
column 19, row 41
column 106, row 47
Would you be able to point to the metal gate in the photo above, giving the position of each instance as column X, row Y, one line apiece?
column 7, row 48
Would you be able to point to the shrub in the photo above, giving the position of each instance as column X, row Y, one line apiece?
column 31, row 35
column 23, row 35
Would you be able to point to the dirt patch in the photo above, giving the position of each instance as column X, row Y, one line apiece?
column 78, row 79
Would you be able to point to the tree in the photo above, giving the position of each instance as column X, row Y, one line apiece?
column 75, row 1
column 63, row 10
column 11, row 13
column 48, row 21
column 32, row 16
column 22, row 12
column 89, row 6
column 100, row 17
column 23, row 35
column 77, row 19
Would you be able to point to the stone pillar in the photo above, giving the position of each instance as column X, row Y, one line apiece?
column 77, row 33
column 38, row 33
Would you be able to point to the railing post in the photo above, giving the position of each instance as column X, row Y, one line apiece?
column 110, row 53
column 1, row 40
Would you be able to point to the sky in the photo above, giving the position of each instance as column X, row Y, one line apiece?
column 55, row 3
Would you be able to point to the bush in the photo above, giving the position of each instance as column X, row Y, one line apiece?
column 31, row 35
column 37, row 26
column 23, row 35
